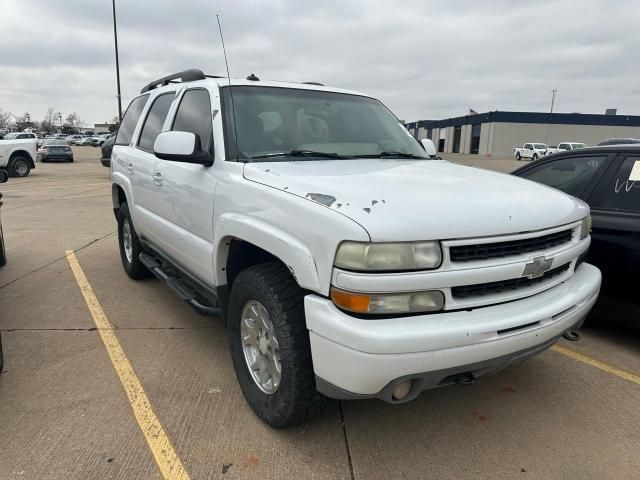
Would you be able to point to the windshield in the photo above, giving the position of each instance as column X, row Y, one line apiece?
column 539, row 146
column 10, row 136
column 293, row 123
column 578, row 145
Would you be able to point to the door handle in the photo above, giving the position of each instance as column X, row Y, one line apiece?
column 157, row 178
column 130, row 167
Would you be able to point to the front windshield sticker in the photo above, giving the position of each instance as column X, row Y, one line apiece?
column 635, row 172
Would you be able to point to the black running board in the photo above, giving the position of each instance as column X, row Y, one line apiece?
column 184, row 291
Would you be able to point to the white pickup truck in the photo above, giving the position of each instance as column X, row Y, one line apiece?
column 18, row 153
column 530, row 150
column 346, row 262
column 563, row 147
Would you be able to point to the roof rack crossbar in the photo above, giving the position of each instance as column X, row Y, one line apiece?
column 184, row 76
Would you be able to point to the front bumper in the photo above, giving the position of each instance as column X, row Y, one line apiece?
column 364, row 358
column 106, row 162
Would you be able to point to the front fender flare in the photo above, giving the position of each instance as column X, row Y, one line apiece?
column 286, row 247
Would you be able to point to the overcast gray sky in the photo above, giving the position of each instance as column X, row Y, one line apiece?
column 424, row 59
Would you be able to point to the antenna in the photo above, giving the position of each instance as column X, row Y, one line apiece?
column 233, row 109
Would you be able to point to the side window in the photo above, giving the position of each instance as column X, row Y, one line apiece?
column 155, row 119
column 130, row 120
column 194, row 115
column 563, row 146
column 528, row 146
column 624, row 191
column 572, row 175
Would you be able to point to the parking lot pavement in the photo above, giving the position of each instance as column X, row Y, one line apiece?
column 64, row 412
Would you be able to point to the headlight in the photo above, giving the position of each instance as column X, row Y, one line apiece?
column 585, row 229
column 388, row 303
column 388, row 256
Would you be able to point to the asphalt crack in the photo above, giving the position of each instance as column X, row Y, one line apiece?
column 346, row 440
column 54, row 261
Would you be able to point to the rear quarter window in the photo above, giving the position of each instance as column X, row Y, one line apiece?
column 130, row 120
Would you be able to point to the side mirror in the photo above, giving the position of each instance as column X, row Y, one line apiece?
column 429, row 147
column 4, row 176
column 182, row 147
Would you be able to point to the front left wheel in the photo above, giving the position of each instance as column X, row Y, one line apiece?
column 19, row 167
column 270, row 346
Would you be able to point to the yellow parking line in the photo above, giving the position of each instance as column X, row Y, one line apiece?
column 166, row 457
column 597, row 364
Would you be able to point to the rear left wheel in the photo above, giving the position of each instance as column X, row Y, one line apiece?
column 270, row 346
column 130, row 247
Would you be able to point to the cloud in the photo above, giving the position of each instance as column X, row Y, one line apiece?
column 423, row 59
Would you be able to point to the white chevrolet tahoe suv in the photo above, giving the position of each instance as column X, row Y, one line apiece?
column 346, row 263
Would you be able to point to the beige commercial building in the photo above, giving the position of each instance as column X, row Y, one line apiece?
column 498, row 133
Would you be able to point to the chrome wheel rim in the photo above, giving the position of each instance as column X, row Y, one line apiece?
column 21, row 167
column 260, row 346
column 127, row 241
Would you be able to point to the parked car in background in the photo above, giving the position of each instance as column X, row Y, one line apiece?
column 532, row 151
column 106, row 148
column 75, row 139
column 95, row 141
column 53, row 149
column 18, row 153
column 564, row 146
column 619, row 141
column 608, row 179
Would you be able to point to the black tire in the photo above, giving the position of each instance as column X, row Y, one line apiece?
column 518, row 157
column 3, row 252
column 134, row 268
column 296, row 398
column 535, row 157
column 19, row 167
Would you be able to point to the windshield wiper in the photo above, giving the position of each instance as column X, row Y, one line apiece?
column 300, row 153
column 391, row 154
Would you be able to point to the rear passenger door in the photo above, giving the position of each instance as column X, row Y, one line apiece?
column 185, row 195
column 615, row 240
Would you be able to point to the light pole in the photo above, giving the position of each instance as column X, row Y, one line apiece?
column 115, row 39
column 553, row 98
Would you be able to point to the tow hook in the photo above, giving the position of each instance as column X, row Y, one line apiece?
column 571, row 335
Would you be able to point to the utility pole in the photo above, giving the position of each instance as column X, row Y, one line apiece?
column 553, row 98
column 115, row 39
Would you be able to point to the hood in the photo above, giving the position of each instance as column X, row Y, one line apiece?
column 396, row 200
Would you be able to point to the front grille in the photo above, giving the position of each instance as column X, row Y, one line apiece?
column 482, row 251
column 481, row 289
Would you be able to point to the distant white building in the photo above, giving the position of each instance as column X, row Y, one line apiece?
column 497, row 133
column 101, row 127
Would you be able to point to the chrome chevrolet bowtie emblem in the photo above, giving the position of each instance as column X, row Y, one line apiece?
column 537, row 267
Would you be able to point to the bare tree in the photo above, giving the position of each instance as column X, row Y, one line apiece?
column 48, row 123
column 72, row 121
column 24, row 122
column 5, row 115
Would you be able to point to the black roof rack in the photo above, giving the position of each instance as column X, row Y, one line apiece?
column 185, row 76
